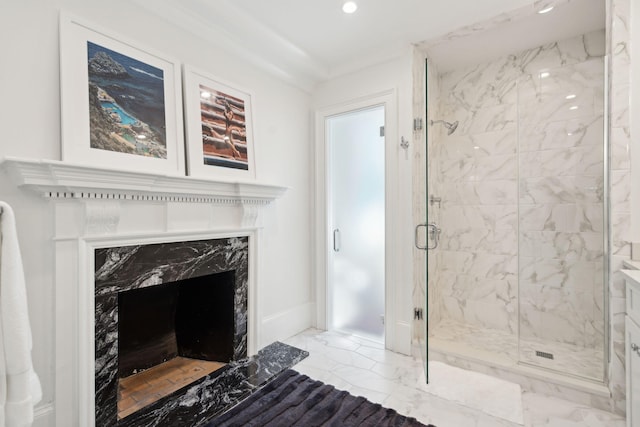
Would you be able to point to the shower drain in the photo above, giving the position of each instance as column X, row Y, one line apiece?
column 544, row 354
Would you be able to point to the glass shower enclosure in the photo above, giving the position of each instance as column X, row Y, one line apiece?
column 519, row 201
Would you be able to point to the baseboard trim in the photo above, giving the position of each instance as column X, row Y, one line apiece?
column 285, row 324
column 402, row 338
column 44, row 415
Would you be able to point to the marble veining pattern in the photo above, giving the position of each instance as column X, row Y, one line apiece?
column 197, row 403
column 620, row 78
column 555, row 134
column 130, row 267
column 561, row 293
column 522, row 209
column 365, row 368
column 498, row 353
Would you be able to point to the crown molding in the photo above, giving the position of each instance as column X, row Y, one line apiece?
column 217, row 23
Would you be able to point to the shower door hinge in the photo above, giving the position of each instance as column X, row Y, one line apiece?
column 417, row 313
column 417, row 123
column 381, row 130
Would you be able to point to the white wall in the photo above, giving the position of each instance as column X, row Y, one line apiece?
column 392, row 75
column 30, row 123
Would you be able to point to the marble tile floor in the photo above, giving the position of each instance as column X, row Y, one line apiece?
column 396, row 381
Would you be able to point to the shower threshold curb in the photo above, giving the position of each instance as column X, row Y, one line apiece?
column 536, row 380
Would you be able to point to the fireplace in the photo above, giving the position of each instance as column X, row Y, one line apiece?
column 192, row 318
column 94, row 208
column 178, row 306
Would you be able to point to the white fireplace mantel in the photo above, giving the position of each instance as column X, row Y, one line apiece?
column 95, row 207
column 56, row 179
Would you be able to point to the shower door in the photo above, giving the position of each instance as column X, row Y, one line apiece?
column 421, row 218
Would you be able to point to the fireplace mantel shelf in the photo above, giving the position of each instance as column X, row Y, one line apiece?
column 56, row 179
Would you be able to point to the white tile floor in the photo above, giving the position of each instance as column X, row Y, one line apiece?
column 365, row 368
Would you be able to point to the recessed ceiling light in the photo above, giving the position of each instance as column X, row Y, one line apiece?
column 544, row 74
column 546, row 9
column 573, row 107
column 349, row 7
column 570, row 96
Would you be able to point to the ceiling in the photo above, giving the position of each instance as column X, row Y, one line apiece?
column 524, row 29
column 309, row 41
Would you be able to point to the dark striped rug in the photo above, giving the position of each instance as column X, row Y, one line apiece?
column 293, row 399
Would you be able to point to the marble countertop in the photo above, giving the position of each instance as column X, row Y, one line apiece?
column 631, row 265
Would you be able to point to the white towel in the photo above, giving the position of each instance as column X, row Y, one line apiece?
column 19, row 385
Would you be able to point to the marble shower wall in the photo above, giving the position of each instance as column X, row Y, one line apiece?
column 477, row 178
column 434, row 133
column 620, row 138
column 561, row 205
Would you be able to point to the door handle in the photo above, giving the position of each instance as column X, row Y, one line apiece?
column 416, row 238
column 432, row 231
column 336, row 240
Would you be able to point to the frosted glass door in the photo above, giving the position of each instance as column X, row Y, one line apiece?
column 357, row 222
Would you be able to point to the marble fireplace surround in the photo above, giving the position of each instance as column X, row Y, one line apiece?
column 95, row 208
column 143, row 266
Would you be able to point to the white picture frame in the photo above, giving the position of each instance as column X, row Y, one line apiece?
column 142, row 129
column 219, row 128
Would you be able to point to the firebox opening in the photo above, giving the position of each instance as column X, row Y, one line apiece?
column 172, row 334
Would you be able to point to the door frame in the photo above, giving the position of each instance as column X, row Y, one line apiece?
column 322, row 236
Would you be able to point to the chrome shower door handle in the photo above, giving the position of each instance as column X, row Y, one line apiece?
column 336, row 240
column 416, row 238
column 432, row 231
